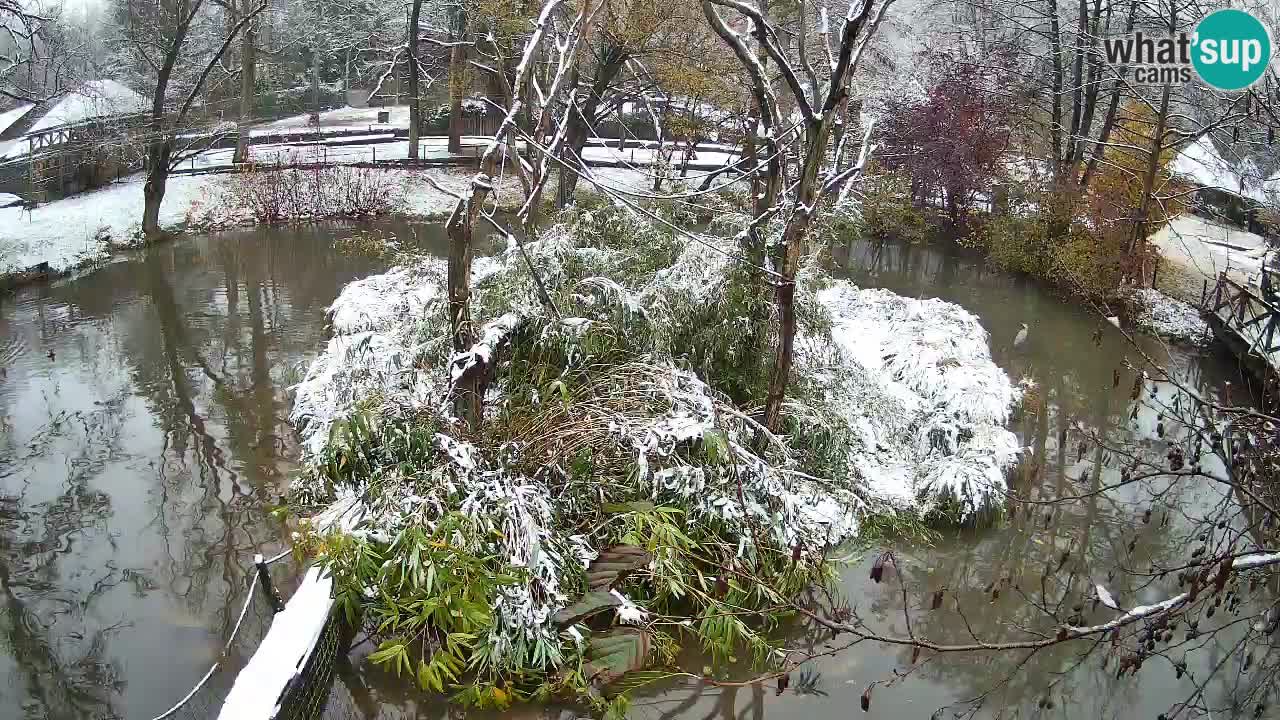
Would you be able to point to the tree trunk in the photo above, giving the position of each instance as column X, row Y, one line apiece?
column 457, row 82
column 1142, row 215
column 1138, row 239
column 1055, row 119
column 467, row 402
column 793, row 238
column 158, row 153
column 248, row 79
column 315, row 86
column 576, row 135
column 415, row 108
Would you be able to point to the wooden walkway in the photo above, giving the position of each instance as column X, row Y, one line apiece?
column 1247, row 322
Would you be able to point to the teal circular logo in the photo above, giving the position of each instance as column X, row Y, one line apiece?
column 1231, row 49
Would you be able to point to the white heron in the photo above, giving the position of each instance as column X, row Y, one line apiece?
column 1021, row 337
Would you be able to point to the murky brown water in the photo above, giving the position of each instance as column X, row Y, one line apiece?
column 143, row 439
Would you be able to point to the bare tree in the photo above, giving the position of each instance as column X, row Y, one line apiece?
column 557, row 34
column 36, row 60
column 168, row 40
column 248, row 78
column 817, row 106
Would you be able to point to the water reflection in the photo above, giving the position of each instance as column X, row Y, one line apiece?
column 143, row 437
column 1047, row 557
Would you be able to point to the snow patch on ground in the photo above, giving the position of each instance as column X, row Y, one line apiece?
column 84, row 228
column 1209, row 248
column 1169, row 318
column 341, row 118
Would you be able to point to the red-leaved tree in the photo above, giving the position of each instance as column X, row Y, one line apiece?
column 952, row 141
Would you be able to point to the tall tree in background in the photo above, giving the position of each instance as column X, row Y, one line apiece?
column 36, row 61
column 175, row 44
column 457, row 73
column 248, row 78
column 415, row 100
column 629, row 30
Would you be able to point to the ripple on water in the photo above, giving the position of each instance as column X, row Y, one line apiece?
column 12, row 347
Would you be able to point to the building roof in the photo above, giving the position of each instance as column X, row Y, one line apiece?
column 9, row 117
column 93, row 99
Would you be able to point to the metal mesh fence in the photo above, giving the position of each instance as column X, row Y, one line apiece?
column 306, row 695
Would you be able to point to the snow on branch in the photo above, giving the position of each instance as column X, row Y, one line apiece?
column 1066, row 633
column 479, row 357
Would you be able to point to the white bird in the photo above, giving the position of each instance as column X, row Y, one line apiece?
column 1021, row 337
column 1114, row 320
column 1105, row 597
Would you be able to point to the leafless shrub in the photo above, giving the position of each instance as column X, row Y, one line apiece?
column 276, row 195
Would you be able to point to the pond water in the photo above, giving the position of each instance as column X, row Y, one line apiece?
column 143, row 441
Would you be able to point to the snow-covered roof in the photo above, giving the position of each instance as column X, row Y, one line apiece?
column 9, row 117
column 1206, row 166
column 94, row 99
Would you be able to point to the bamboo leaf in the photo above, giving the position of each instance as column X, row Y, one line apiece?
column 590, row 604
column 716, row 446
column 612, row 655
column 614, row 564
column 640, row 506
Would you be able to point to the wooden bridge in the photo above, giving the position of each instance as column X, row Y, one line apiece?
column 1247, row 320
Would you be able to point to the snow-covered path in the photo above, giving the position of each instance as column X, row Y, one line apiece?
column 1199, row 249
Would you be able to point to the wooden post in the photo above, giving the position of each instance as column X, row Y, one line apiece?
column 264, row 577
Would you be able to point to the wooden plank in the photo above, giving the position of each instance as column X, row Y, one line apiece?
column 1257, row 319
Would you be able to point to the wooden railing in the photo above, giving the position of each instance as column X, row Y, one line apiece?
column 1243, row 311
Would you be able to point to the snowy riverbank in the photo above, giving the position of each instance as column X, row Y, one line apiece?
column 1194, row 250
column 1170, row 318
column 63, row 235
column 85, row 228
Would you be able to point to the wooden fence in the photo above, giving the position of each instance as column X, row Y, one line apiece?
column 1242, row 311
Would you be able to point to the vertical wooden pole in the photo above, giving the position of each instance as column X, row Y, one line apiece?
column 264, row 578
